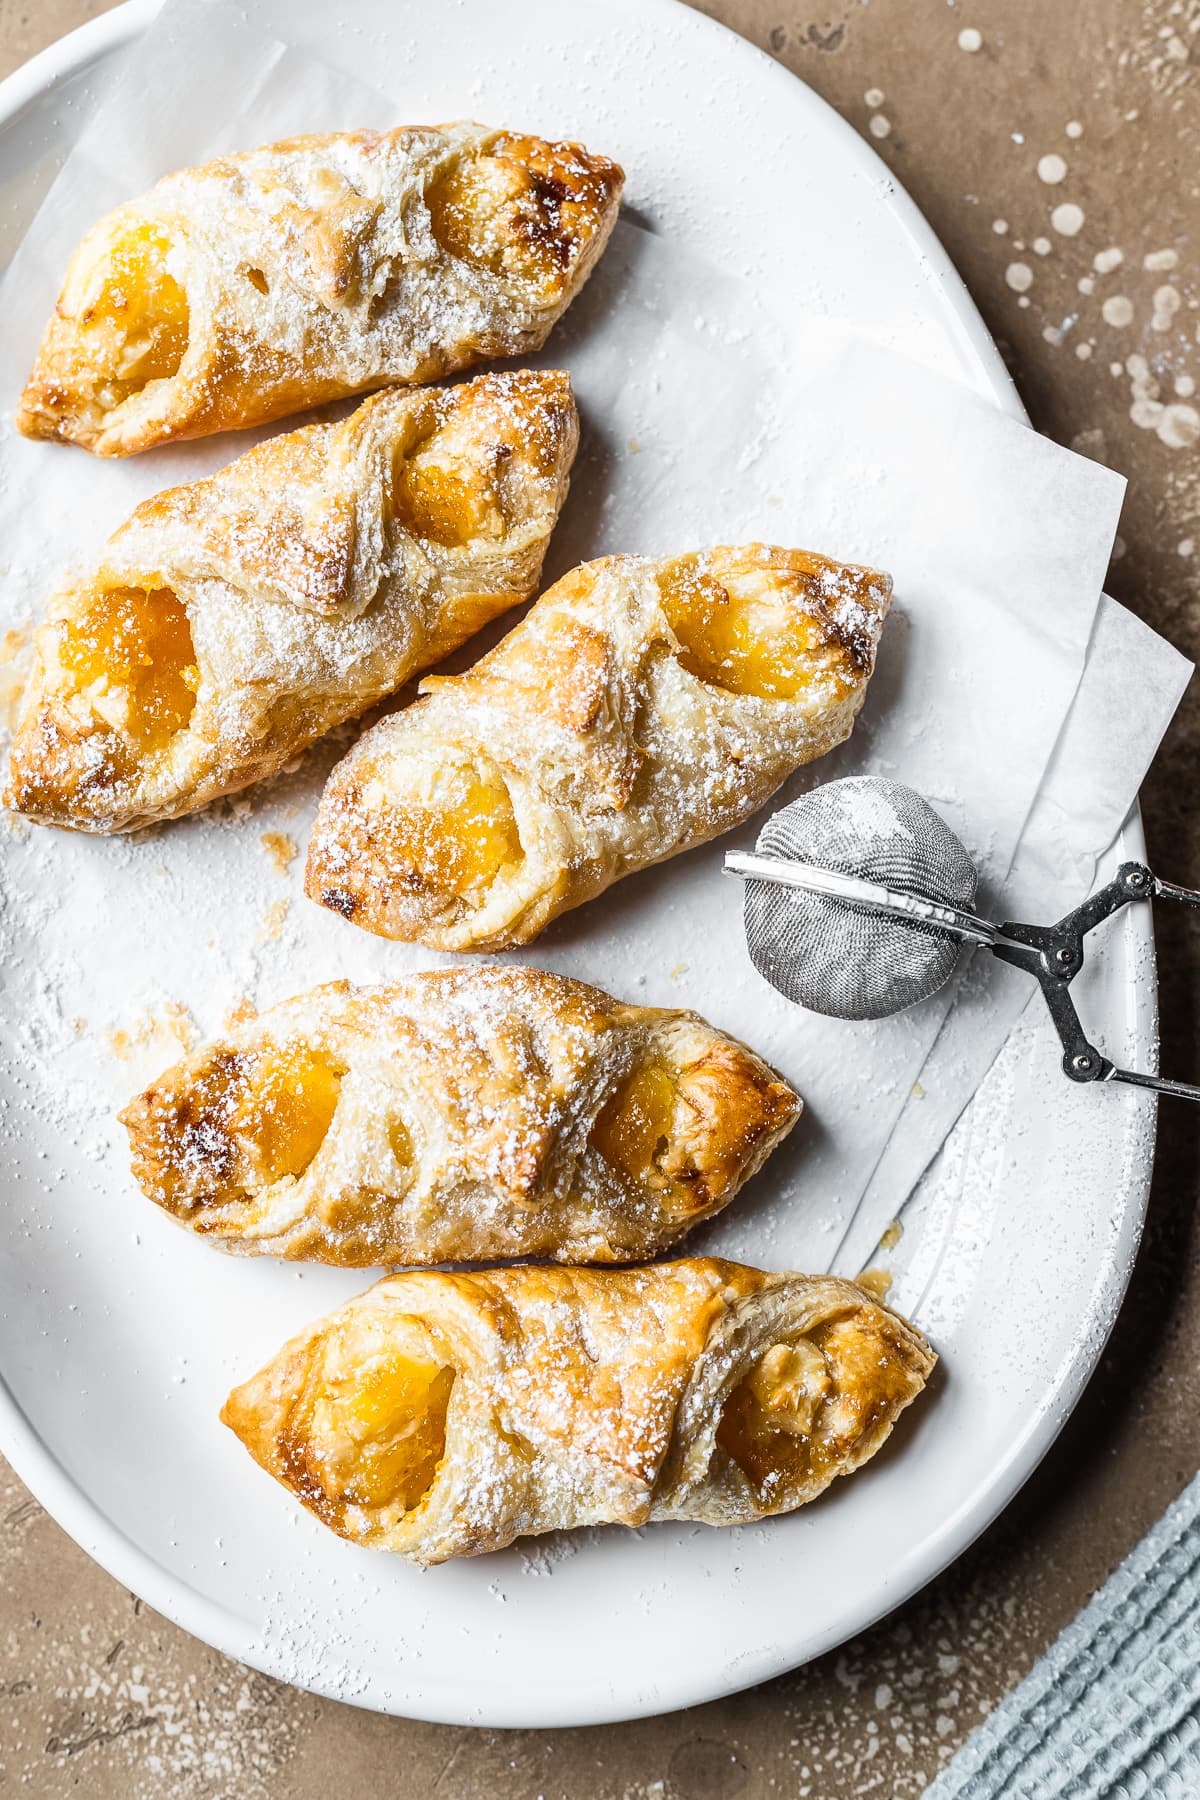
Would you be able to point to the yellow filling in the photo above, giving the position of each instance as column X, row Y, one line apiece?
column 139, row 320
column 458, row 839
column 463, row 205
column 769, row 1422
column 394, row 1411
column 633, row 1129
column 132, row 654
column 805, row 1407
column 638, row 1132
column 446, row 505
column 284, row 1110
column 748, row 634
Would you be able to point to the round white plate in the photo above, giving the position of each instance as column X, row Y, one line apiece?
column 120, row 1335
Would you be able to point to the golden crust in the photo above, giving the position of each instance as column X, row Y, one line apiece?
column 584, row 1397
column 267, row 282
column 459, row 1115
column 639, row 709
column 231, row 622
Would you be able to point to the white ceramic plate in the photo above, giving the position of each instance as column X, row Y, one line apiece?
column 119, row 1339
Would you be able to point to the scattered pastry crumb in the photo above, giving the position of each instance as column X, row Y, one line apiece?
column 892, row 1235
column 876, row 1281
column 167, row 1032
column 240, row 1013
column 282, row 849
column 273, row 921
column 13, row 665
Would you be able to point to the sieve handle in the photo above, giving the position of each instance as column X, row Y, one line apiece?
column 1053, row 955
column 897, row 903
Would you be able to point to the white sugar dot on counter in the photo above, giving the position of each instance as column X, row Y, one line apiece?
column 1161, row 260
column 874, row 98
column 1000, row 227
column 1067, row 219
column 1117, row 310
column 1167, row 301
column 1185, row 547
column 1018, row 137
column 969, row 39
column 1043, row 246
column 1022, row 299
column 879, row 125
column 1074, row 128
column 1019, row 276
column 1185, row 387
column 1083, row 352
column 1105, row 261
column 1086, row 284
column 1179, row 426
column 1052, row 169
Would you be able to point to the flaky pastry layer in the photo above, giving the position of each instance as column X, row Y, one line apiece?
column 443, row 1415
column 231, row 622
column 640, row 708
column 267, row 282
column 460, row 1115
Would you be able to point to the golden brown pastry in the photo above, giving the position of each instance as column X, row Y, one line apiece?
column 639, row 709
column 445, row 1415
column 461, row 1115
column 231, row 622
column 270, row 281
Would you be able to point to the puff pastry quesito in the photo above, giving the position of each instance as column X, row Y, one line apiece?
column 458, row 1115
column 639, row 708
column 270, row 281
column 231, row 622
column 444, row 1415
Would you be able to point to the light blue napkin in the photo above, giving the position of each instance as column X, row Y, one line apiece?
column 1112, row 1710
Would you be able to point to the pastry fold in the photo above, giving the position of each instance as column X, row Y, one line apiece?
column 639, row 708
column 270, row 281
column 443, row 1415
column 231, row 622
column 457, row 1116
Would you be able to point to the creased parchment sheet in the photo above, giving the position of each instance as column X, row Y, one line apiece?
column 1131, row 686
column 710, row 415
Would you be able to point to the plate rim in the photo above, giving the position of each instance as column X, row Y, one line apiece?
column 106, row 1542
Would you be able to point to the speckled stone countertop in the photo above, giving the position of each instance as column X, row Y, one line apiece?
column 1055, row 147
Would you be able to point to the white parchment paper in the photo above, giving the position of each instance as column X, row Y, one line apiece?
column 710, row 414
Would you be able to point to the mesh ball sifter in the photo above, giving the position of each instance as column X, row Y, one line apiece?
column 858, row 904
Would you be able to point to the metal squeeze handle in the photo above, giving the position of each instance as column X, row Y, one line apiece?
column 1053, row 955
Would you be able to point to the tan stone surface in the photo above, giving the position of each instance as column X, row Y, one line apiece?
column 98, row 1694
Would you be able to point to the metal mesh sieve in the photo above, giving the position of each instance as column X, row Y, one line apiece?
column 834, row 957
